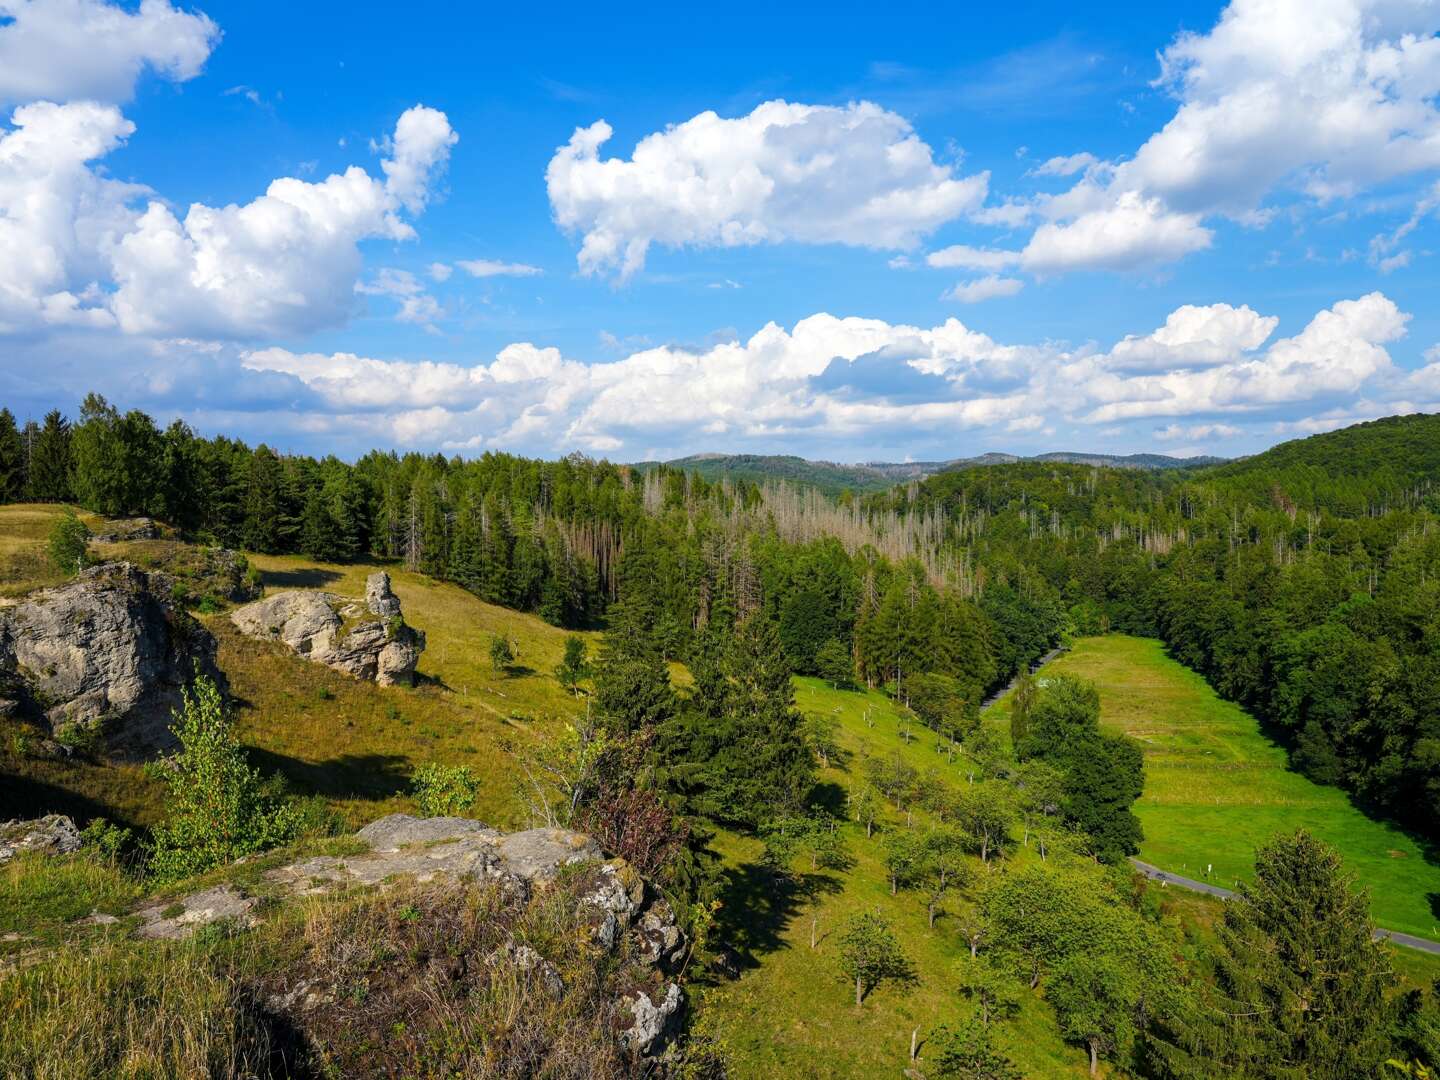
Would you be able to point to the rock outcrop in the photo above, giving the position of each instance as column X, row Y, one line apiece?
column 369, row 640
column 123, row 530
column 54, row 834
column 622, row 917
column 102, row 659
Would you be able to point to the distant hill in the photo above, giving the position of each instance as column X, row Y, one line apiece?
column 833, row 477
column 1403, row 448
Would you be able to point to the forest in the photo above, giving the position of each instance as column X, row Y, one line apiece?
column 1302, row 583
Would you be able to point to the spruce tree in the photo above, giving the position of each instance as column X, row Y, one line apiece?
column 12, row 459
column 1298, row 983
column 50, row 460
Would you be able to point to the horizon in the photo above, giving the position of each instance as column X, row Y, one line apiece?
column 461, row 232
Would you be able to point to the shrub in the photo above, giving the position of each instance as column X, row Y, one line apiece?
column 501, row 654
column 835, row 665
column 444, row 790
column 220, row 807
column 69, row 543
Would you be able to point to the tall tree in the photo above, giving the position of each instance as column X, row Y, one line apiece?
column 1298, row 982
column 12, row 459
column 50, row 460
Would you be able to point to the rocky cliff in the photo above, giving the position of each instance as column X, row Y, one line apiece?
column 368, row 639
column 101, row 659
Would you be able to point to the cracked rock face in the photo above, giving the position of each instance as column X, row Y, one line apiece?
column 54, row 834
column 103, row 653
column 369, row 640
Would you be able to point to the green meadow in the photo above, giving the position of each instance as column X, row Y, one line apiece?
column 1216, row 787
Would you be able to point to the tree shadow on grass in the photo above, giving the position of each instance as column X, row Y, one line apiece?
column 349, row 776
column 306, row 578
column 758, row 904
column 25, row 797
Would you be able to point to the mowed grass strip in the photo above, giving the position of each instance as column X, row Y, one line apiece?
column 1216, row 787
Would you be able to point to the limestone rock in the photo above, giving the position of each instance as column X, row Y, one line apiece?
column 370, row 641
column 105, row 654
column 652, row 1019
column 395, row 831
column 54, row 834
column 183, row 917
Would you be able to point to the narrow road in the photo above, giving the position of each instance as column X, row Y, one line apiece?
column 1154, row 873
column 993, row 698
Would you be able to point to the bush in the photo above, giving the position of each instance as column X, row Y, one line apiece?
column 835, row 665
column 69, row 544
column 501, row 654
column 220, row 807
column 444, row 790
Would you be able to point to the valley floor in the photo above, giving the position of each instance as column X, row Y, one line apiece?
column 1216, row 787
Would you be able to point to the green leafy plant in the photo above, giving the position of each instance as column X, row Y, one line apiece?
column 444, row 790
column 69, row 544
column 220, row 807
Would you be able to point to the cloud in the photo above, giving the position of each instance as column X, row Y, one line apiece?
column 1065, row 166
column 970, row 258
column 1173, row 432
column 1363, row 75
column 1195, row 337
column 74, row 50
column 58, row 217
column 416, row 305
column 855, row 175
column 866, row 382
column 440, row 271
column 418, row 150
column 76, row 248
column 1133, row 233
column 985, row 288
column 484, row 268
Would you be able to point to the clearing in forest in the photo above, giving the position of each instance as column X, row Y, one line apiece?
column 1216, row 787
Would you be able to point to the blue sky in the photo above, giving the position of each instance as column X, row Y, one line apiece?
column 846, row 233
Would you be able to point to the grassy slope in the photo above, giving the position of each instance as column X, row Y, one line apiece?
column 359, row 745
column 793, row 1014
column 350, row 741
column 1216, row 787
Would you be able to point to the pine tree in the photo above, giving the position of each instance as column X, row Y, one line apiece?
column 50, row 460
column 1299, row 982
column 12, row 459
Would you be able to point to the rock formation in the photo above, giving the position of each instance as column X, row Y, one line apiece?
column 122, row 530
column 622, row 916
column 369, row 640
column 54, row 834
column 102, row 659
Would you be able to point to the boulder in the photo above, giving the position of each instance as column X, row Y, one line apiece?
column 369, row 640
column 103, row 659
column 54, row 834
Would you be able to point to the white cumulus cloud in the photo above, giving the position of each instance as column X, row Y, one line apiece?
column 72, row 50
column 985, row 288
column 856, row 175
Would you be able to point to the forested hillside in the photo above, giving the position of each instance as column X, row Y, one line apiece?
column 1304, row 591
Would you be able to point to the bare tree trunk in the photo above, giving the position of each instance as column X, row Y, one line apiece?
column 858, row 990
column 1094, row 1060
column 914, row 1043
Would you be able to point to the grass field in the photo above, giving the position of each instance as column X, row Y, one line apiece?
column 793, row 1014
column 1216, row 787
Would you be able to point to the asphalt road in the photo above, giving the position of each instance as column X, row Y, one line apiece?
column 1154, row 873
